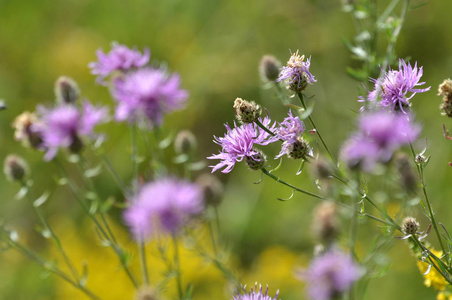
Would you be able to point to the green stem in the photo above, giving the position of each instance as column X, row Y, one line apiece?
column 177, row 266
column 117, row 178
column 259, row 123
column 300, row 95
column 50, row 267
column 143, row 263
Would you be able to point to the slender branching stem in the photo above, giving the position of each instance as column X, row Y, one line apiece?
column 177, row 266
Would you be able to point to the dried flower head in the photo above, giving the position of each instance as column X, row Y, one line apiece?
column 66, row 90
column 445, row 89
column 407, row 176
column 247, row 112
column 238, row 143
column 254, row 294
column 23, row 125
column 163, row 206
column 269, row 68
column 394, row 86
column 296, row 72
column 146, row 95
column 325, row 222
column 15, row 168
column 146, row 293
column 330, row 275
column 212, row 187
column 120, row 58
column 410, row 225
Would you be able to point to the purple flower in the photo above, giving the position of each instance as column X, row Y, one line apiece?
column 330, row 274
column 256, row 294
column 239, row 142
column 119, row 58
column 394, row 86
column 380, row 134
column 289, row 132
column 164, row 205
column 147, row 94
column 64, row 125
column 297, row 73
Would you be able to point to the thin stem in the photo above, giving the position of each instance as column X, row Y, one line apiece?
column 212, row 238
column 53, row 235
column 117, row 178
column 143, row 263
column 133, row 133
column 259, row 123
column 50, row 267
column 300, row 95
column 115, row 246
column 177, row 266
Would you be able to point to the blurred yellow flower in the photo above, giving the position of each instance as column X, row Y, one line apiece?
column 433, row 277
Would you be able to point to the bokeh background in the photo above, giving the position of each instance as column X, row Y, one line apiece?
column 216, row 46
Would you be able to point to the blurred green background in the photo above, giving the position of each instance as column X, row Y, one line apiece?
column 216, row 46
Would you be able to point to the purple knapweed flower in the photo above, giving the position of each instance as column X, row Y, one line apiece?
column 238, row 143
column 120, row 58
column 380, row 134
column 146, row 95
column 289, row 131
column 394, row 86
column 163, row 206
column 255, row 294
column 297, row 73
column 65, row 125
column 330, row 274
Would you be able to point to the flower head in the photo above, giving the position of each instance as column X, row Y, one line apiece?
column 238, row 143
column 330, row 274
column 380, row 134
column 64, row 125
column 255, row 294
column 394, row 86
column 290, row 131
column 146, row 95
column 120, row 58
column 164, row 205
column 297, row 73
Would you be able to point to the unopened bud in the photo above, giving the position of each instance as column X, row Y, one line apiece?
column 247, row 112
column 256, row 161
column 25, row 130
column 66, row 90
column 185, row 142
column 15, row 168
column 269, row 67
column 299, row 149
column 325, row 223
column 146, row 293
column 410, row 225
column 322, row 169
column 77, row 145
column 212, row 187
column 420, row 159
column 445, row 88
column 405, row 170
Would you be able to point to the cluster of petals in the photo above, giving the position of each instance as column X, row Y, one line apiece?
column 120, row 58
column 288, row 131
column 297, row 70
column 394, row 86
column 330, row 274
column 380, row 134
column 163, row 206
column 255, row 294
column 66, row 124
column 238, row 142
column 146, row 95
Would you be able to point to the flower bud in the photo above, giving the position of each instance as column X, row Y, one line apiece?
column 66, row 90
column 269, row 67
column 408, row 178
column 299, row 149
column 15, row 168
column 77, row 145
column 25, row 130
column 212, row 187
column 410, row 225
column 185, row 142
column 325, row 223
column 420, row 159
column 146, row 293
column 256, row 161
column 247, row 112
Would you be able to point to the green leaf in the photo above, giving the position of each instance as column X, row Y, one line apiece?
column 41, row 200
column 22, row 193
column 180, row 159
column 93, row 171
column 197, row 166
column 108, row 204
